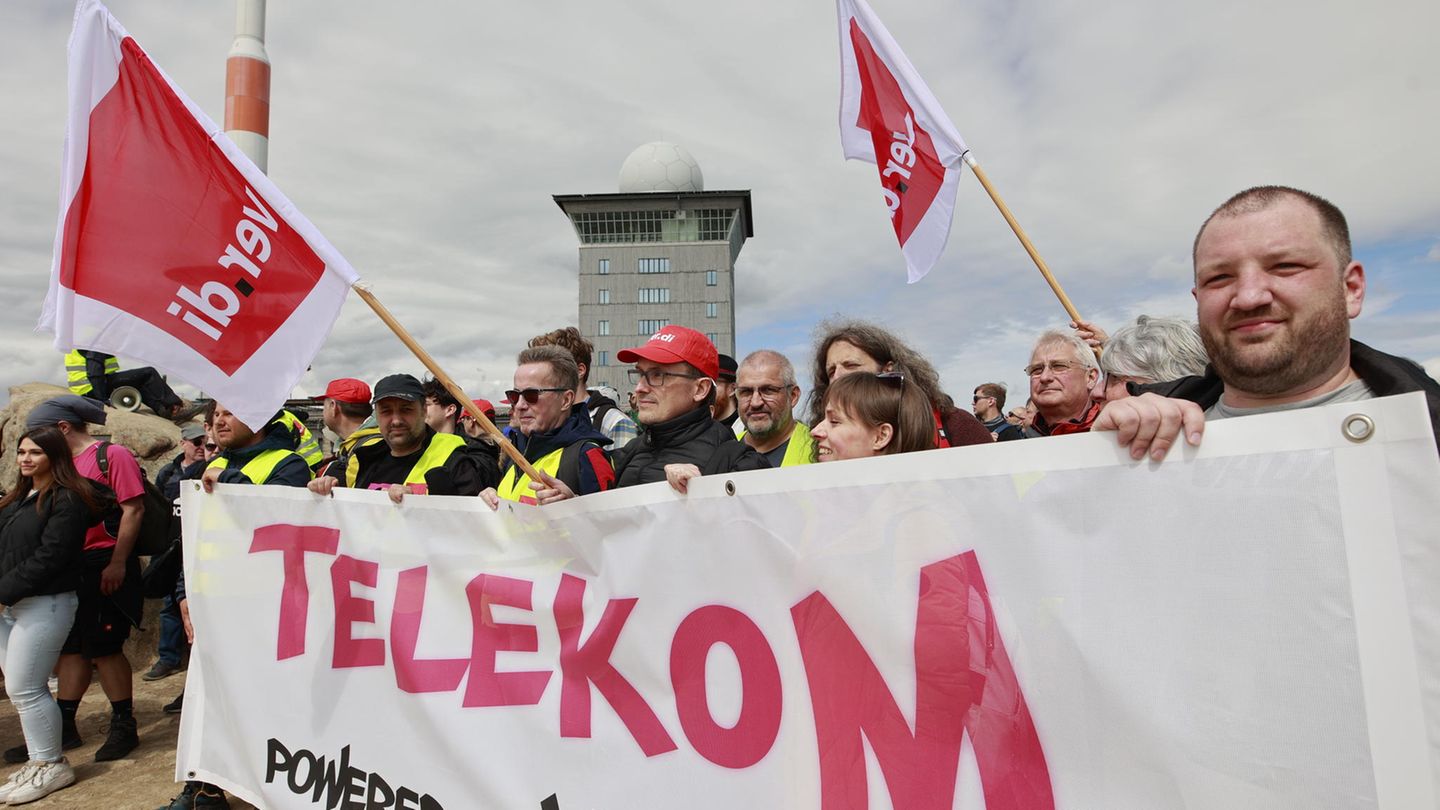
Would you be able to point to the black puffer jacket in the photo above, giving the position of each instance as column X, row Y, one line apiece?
column 40, row 553
column 1386, row 375
column 691, row 438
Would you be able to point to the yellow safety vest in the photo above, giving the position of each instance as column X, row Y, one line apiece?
column 801, row 449
column 364, row 437
column 75, row 374
column 441, row 446
column 306, row 445
column 515, row 486
column 258, row 469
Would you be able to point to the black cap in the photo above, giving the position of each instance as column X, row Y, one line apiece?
column 399, row 386
column 728, row 367
column 72, row 408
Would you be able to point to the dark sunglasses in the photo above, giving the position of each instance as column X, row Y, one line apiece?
column 531, row 395
column 895, row 378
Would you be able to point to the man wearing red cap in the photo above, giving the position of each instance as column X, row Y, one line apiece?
column 348, row 415
column 674, row 379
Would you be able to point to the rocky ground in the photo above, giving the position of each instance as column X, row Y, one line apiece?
column 141, row 781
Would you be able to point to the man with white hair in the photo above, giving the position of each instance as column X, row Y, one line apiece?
column 1151, row 350
column 1062, row 371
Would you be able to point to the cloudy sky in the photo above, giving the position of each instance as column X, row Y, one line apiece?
column 426, row 139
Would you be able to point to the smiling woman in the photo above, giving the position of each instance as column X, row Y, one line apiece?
column 42, row 530
column 868, row 414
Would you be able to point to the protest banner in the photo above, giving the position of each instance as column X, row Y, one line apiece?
column 1250, row 624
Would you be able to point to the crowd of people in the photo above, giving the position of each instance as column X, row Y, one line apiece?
column 1275, row 286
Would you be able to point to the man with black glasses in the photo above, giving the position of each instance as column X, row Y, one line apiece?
column 558, row 439
column 1062, row 371
column 767, row 395
column 674, row 379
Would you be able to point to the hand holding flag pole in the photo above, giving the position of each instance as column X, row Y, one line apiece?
column 455, row 391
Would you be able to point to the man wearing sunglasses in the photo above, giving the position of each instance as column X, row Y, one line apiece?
column 413, row 458
column 558, row 439
column 1062, row 370
column 674, row 379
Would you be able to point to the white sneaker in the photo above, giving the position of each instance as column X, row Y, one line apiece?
column 44, row 780
column 17, row 778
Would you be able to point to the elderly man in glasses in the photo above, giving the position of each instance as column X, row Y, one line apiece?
column 557, row 438
column 767, row 395
column 413, row 458
column 674, row 379
column 1062, row 371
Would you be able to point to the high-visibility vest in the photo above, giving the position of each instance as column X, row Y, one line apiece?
column 258, row 469
column 515, row 486
column 75, row 374
column 306, row 445
column 346, row 465
column 441, row 446
column 801, row 449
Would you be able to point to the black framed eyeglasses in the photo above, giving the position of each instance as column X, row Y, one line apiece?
column 531, row 395
column 894, row 378
column 769, row 393
column 655, row 378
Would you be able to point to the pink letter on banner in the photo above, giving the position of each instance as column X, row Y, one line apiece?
column 412, row 675
column 963, row 682
column 582, row 664
column 487, row 687
column 351, row 651
column 293, row 542
column 750, row 739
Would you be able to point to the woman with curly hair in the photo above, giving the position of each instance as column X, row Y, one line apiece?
column 848, row 346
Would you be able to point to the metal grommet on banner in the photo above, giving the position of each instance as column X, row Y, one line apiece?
column 729, row 487
column 189, row 774
column 1358, row 427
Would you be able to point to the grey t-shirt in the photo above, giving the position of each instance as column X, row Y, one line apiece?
column 1350, row 392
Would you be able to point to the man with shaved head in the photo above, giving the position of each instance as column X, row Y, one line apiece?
column 1275, row 290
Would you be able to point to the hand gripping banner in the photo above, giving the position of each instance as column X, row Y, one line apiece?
column 171, row 246
column 1020, row 626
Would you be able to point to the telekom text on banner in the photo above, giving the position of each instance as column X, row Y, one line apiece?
column 1252, row 624
column 172, row 246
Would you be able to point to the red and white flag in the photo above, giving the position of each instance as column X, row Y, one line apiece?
column 172, row 247
column 889, row 117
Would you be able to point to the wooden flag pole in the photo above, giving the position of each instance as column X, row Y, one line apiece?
column 444, row 379
column 1024, row 240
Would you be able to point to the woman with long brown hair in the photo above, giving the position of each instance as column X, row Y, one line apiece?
column 867, row 414
column 42, row 532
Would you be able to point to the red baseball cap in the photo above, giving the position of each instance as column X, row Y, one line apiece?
column 347, row 389
column 486, row 408
column 676, row 344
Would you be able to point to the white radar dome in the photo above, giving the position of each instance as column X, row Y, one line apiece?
column 660, row 166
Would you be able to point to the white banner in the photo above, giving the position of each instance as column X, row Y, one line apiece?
column 1250, row 624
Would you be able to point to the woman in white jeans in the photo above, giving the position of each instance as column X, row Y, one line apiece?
column 42, row 531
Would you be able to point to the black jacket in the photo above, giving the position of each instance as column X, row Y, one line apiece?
column 41, row 553
column 1386, row 375
column 691, row 438
column 462, row 473
column 591, row 475
column 292, row 472
column 169, row 478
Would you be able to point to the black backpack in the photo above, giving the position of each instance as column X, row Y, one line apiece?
column 155, row 525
